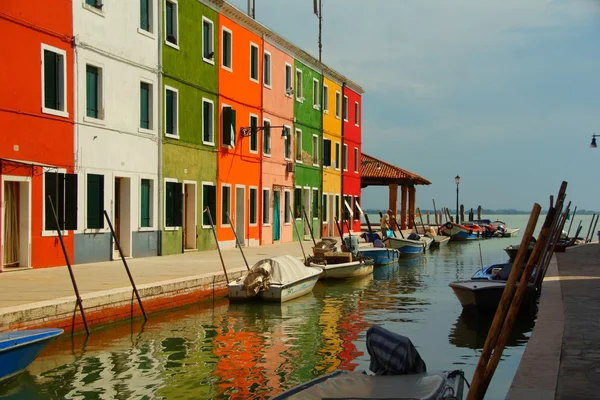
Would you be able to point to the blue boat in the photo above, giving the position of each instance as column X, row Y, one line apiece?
column 410, row 246
column 496, row 272
column 19, row 349
column 380, row 255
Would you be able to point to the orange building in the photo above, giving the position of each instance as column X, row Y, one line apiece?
column 239, row 189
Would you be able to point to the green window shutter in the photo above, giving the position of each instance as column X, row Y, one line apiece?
column 50, row 187
column 94, row 3
column 267, row 137
column 324, row 208
column 95, row 201
column 226, row 49
column 145, row 203
column 144, row 105
column 225, row 203
column 209, row 199
column 169, row 19
column 51, row 80
column 206, row 121
column 326, row 152
column 253, row 196
column 170, row 110
column 178, row 204
column 169, row 188
column 206, row 39
column 226, row 126
column 71, row 202
column 315, row 204
column 297, row 203
column 144, row 15
column 286, row 205
column 91, row 91
column 253, row 62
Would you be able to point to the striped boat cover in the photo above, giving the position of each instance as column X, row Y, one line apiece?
column 392, row 354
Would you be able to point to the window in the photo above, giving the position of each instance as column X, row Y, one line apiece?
column 208, row 122
column 337, row 206
column 337, row 104
column 145, row 105
column 253, row 206
column 345, row 108
column 356, row 210
column 345, row 157
column 299, row 91
column 356, row 160
column 225, row 204
column 226, row 43
column 94, row 3
column 53, row 81
column 298, row 145
column 356, row 113
column 173, row 204
column 326, row 152
column 325, row 99
column 266, row 137
column 287, row 143
column 316, row 100
column 146, row 205
column 228, row 126
column 145, row 15
column 93, row 91
column 286, row 205
column 208, row 40
column 171, row 112
column 253, row 62
column 298, row 203
column 253, row 134
column 315, row 150
column 337, row 155
column 209, row 199
column 267, row 69
column 346, row 210
column 95, row 202
column 171, row 21
column 324, row 209
column 315, row 203
column 266, row 206
column 288, row 80
column 62, row 188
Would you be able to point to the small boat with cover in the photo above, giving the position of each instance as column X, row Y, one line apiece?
column 413, row 244
column 277, row 279
column 396, row 371
column 340, row 264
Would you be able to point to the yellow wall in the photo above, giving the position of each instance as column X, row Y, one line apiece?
column 332, row 130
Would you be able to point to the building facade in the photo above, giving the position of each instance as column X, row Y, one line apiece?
column 351, row 155
column 36, row 138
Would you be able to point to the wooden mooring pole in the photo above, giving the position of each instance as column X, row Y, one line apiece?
column 212, row 226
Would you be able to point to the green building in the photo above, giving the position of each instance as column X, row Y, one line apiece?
column 189, row 125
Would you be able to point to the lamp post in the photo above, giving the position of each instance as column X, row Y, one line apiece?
column 593, row 144
column 457, row 180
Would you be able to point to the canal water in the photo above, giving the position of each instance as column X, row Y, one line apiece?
column 218, row 350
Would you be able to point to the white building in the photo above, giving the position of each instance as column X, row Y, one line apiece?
column 116, row 127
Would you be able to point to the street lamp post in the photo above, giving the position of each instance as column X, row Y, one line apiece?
column 457, row 180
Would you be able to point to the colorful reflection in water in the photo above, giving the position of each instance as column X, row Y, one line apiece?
column 253, row 350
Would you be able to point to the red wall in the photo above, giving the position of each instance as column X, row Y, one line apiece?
column 26, row 133
column 353, row 138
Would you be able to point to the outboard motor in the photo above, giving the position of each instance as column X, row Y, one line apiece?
column 351, row 243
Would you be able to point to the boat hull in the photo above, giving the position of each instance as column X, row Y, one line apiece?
column 407, row 246
column 352, row 269
column 439, row 241
column 381, row 256
column 19, row 349
column 484, row 295
column 457, row 232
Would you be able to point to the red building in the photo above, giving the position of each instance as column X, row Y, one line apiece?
column 351, row 152
column 36, row 133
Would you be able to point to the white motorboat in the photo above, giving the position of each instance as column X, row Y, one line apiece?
column 352, row 269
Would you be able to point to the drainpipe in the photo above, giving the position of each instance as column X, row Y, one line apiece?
column 342, row 206
column 322, row 154
column 159, row 132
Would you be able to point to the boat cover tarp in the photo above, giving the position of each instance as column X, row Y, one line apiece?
column 279, row 270
column 392, row 354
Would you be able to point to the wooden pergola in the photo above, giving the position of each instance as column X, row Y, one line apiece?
column 376, row 172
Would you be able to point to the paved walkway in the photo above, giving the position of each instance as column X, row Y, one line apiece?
column 562, row 359
column 20, row 288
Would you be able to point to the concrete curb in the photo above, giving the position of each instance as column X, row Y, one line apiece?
column 537, row 375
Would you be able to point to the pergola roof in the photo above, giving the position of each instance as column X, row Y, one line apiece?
column 376, row 172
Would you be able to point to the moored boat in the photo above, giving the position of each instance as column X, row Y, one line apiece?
column 380, row 255
column 484, row 295
column 410, row 246
column 18, row 349
column 351, row 269
column 278, row 279
column 462, row 232
column 439, row 241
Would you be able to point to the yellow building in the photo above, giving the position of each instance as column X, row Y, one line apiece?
column 332, row 154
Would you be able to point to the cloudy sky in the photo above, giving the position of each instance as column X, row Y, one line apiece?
column 505, row 94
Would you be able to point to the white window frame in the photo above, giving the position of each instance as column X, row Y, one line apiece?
column 325, row 99
column 173, row 45
column 221, row 224
column 52, row 232
column 356, row 160
column 202, row 184
column 288, row 137
column 150, row 108
column 315, row 152
column 150, row 32
column 267, row 71
column 222, row 49
column 345, row 108
column 298, row 87
column 338, row 155
column 264, row 124
column 250, row 116
column 262, row 201
column 212, row 122
column 170, row 135
column 173, row 180
column 291, row 204
column 63, row 87
column 338, row 104
column 254, row 45
column 255, row 205
column 316, row 93
column 298, row 160
column 356, row 113
column 288, row 91
column 100, row 94
column 345, row 157
column 152, row 226
column 212, row 40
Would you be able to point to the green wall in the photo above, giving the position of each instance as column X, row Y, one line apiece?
column 187, row 158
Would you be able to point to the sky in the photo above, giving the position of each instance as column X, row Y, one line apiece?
column 505, row 94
